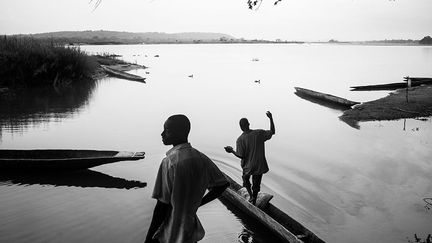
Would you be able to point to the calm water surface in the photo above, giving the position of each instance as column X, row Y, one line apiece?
column 345, row 184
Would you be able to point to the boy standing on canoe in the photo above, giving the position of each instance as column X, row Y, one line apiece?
column 251, row 151
column 184, row 176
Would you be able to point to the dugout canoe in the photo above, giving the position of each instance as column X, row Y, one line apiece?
column 62, row 159
column 325, row 97
column 121, row 74
column 281, row 224
column 408, row 82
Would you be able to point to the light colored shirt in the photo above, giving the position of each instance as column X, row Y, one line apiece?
column 250, row 146
column 183, row 177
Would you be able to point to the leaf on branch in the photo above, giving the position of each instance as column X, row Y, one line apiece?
column 97, row 3
column 255, row 4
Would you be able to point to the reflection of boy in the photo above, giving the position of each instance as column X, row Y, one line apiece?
column 251, row 151
column 183, row 177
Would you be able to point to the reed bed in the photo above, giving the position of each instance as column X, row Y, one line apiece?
column 25, row 61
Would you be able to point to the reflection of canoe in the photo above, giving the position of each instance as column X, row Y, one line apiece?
column 326, row 97
column 81, row 178
column 121, row 74
column 282, row 225
column 62, row 159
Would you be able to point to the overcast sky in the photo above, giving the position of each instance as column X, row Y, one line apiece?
column 308, row 20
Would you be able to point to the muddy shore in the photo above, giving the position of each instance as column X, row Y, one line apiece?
column 413, row 102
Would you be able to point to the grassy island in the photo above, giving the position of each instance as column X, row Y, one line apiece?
column 30, row 62
column 412, row 102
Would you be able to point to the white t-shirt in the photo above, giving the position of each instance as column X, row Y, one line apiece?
column 184, row 176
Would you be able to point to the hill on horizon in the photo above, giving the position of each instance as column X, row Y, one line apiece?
column 105, row 36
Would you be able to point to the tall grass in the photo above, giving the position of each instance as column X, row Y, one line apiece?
column 26, row 61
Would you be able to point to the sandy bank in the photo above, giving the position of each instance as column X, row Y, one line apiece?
column 403, row 103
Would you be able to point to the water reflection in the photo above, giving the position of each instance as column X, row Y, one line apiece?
column 85, row 178
column 38, row 105
column 419, row 239
column 428, row 202
column 253, row 231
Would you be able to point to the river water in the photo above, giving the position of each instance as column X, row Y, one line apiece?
column 346, row 184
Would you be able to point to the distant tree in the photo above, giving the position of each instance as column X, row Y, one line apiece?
column 427, row 40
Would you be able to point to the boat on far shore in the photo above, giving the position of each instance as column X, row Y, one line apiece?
column 62, row 159
column 325, row 97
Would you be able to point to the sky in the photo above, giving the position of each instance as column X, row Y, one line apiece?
column 296, row 20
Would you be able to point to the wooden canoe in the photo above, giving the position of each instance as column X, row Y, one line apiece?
column 326, row 97
column 282, row 225
column 121, row 74
column 61, row 159
column 413, row 82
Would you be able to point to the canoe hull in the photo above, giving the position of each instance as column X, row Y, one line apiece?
column 282, row 225
column 61, row 159
column 123, row 75
column 413, row 82
column 326, row 97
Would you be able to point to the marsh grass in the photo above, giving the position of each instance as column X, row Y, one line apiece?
column 26, row 61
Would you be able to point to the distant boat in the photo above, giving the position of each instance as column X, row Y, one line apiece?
column 326, row 97
column 62, row 159
column 123, row 75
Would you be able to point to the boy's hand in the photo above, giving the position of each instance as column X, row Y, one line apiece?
column 269, row 114
column 229, row 149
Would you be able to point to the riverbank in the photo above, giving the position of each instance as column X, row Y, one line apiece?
column 413, row 102
column 28, row 62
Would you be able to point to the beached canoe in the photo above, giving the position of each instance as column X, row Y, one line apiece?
column 282, row 225
column 408, row 82
column 326, row 97
column 121, row 74
column 61, row 159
